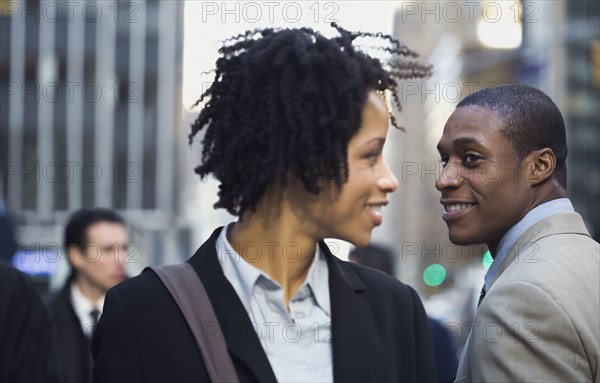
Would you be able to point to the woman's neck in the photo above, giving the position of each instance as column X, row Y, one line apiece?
column 285, row 248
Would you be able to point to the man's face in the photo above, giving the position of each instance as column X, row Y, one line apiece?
column 481, row 184
column 101, row 263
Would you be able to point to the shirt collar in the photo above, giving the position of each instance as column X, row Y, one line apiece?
column 241, row 274
column 317, row 280
column 561, row 205
column 244, row 276
column 82, row 305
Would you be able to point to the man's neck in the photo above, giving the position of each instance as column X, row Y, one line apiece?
column 551, row 190
column 90, row 291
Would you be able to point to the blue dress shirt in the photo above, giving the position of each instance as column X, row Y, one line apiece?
column 297, row 342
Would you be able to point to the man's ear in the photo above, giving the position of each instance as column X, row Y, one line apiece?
column 540, row 166
column 75, row 257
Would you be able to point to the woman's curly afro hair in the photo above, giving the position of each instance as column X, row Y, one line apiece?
column 285, row 103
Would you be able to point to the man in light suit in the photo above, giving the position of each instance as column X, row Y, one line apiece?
column 504, row 184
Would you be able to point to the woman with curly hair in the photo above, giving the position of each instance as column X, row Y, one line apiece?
column 294, row 126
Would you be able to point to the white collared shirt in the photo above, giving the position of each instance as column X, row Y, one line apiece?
column 83, row 307
column 297, row 343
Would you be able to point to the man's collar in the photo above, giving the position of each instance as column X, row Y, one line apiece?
column 544, row 210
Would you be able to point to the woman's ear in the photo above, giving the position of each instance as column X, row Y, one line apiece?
column 540, row 166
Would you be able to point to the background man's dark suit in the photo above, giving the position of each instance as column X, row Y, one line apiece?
column 379, row 329
column 72, row 345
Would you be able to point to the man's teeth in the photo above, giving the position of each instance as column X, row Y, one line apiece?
column 376, row 209
column 458, row 206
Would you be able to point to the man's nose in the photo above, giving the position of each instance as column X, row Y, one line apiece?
column 450, row 177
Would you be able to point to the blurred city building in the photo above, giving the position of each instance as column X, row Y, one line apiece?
column 90, row 115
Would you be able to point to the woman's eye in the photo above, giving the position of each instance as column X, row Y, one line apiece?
column 373, row 157
column 444, row 160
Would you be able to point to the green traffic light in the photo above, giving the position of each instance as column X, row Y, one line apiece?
column 434, row 275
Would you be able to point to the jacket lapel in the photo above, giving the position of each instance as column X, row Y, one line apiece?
column 74, row 363
column 240, row 336
column 358, row 354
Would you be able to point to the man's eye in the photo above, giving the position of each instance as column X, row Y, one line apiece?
column 444, row 160
column 471, row 158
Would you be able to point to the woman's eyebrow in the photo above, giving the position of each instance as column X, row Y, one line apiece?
column 379, row 140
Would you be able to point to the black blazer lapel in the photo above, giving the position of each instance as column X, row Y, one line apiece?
column 358, row 353
column 241, row 338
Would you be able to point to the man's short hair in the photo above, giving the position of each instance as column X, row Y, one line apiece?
column 531, row 120
column 81, row 220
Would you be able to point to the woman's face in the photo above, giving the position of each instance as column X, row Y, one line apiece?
column 351, row 213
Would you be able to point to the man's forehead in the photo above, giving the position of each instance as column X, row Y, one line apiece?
column 471, row 124
column 475, row 116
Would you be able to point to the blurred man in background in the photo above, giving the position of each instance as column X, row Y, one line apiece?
column 95, row 242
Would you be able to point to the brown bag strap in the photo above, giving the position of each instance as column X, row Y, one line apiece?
column 188, row 291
